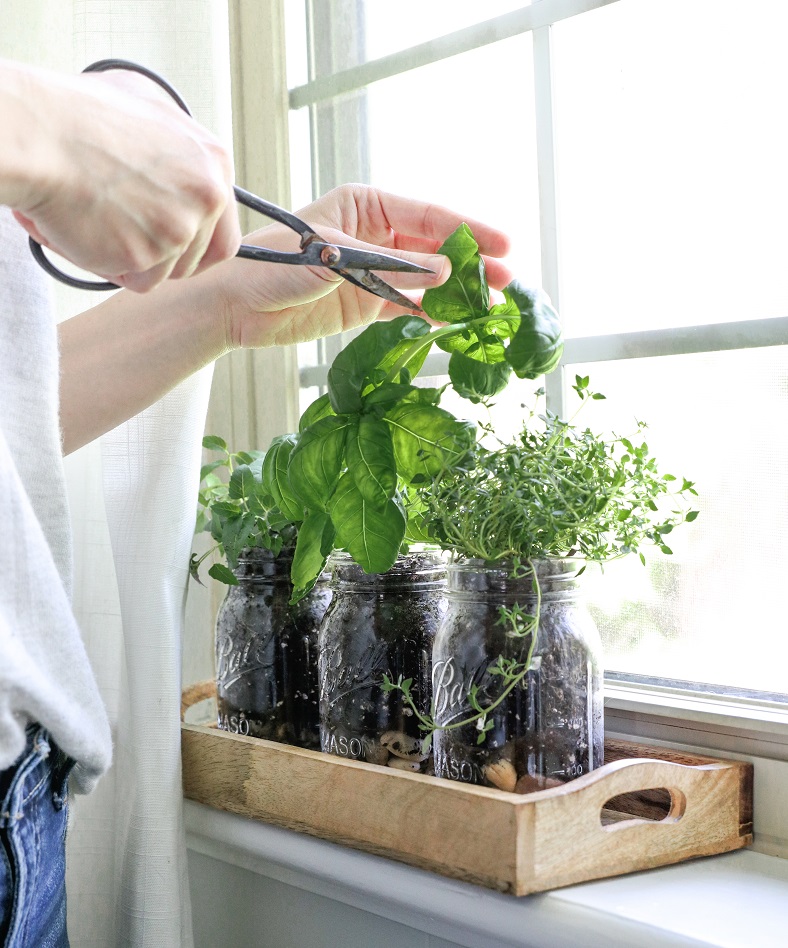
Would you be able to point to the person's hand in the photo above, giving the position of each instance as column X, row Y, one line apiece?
column 266, row 304
column 120, row 181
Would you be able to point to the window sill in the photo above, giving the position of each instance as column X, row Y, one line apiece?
column 730, row 901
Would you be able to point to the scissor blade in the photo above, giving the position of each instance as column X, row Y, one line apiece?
column 373, row 284
column 352, row 258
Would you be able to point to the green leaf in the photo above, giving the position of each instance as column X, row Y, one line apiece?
column 426, row 439
column 355, row 365
column 386, row 394
column 371, row 535
column 214, row 443
column 370, row 459
column 275, row 480
column 206, row 469
column 243, row 482
column 318, row 459
column 692, row 515
column 465, row 293
column 313, row 546
column 223, row 574
column 320, row 408
column 537, row 345
column 476, row 380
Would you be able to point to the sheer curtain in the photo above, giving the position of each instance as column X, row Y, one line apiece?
column 132, row 498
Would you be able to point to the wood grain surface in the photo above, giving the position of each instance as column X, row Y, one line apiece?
column 645, row 807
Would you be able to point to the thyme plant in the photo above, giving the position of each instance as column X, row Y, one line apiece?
column 557, row 490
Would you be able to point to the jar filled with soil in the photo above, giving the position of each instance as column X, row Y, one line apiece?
column 379, row 624
column 266, row 653
column 548, row 728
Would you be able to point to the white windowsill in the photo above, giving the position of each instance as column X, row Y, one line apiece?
column 736, row 900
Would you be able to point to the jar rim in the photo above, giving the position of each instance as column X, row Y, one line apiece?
column 422, row 569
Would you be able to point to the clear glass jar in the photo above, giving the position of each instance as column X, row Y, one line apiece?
column 549, row 728
column 379, row 624
column 266, row 653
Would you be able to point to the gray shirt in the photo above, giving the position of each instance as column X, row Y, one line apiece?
column 45, row 676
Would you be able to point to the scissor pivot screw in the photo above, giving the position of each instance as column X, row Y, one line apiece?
column 330, row 256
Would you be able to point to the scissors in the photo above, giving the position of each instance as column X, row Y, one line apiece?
column 352, row 264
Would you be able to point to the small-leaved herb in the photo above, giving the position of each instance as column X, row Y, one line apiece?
column 237, row 510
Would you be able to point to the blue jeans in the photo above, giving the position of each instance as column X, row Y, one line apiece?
column 33, row 814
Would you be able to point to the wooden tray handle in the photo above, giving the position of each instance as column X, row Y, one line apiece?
column 691, row 789
column 200, row 691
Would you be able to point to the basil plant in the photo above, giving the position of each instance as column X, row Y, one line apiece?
column 345, row 477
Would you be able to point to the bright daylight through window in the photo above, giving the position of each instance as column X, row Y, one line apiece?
column 661, row 124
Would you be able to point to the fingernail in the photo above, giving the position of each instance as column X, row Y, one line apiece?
column 441, row 266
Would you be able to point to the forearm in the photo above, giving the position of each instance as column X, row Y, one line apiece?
column 126, row 353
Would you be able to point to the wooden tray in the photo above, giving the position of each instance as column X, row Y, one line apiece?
column 668, row 807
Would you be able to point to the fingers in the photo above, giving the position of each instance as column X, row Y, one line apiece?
column 498, row 274
column 418, row 219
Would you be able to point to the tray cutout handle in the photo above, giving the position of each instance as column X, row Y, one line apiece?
column 654, row 805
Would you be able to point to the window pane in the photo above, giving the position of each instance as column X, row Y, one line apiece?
column 672, row 154
column 461, row 133
column 410, row 22
column 714, row 611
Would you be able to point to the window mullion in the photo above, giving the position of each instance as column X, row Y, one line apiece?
column 548, row 200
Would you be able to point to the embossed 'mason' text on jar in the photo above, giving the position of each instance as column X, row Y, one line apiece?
column 378, row 624
column 549, row 727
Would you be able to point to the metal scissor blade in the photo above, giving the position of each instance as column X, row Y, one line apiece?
column 373, row 284
column 353, row 257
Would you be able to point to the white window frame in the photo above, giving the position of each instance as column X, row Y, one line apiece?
column 753, row 728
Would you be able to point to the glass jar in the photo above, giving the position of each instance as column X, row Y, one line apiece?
column 379, row 624
column 549, row 728
column 266, row 653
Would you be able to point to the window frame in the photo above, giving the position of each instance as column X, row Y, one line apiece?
column 739, row 726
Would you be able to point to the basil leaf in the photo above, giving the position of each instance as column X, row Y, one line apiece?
column 370, row 459
column 384, row 395
column 275, row 480
column 318, row 459
column 426, row 439
column 477, row 380
column 372, row 536
column 313, row 546
column 354, row 367
column 320, row 408
column 537, row 345
column 465, row 293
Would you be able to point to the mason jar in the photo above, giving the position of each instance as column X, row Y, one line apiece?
column 549, row 728
column 266, row 652
column 379, row 624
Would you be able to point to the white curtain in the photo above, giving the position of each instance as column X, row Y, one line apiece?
column 133, row 499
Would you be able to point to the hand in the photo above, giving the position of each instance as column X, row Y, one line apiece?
column 266, row 304
column 121, row 181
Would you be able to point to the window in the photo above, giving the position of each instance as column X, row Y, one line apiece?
column 635, row 150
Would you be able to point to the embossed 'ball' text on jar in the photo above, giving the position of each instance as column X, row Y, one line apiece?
column 379, row 624
column 266, row 653
column 549, row 728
